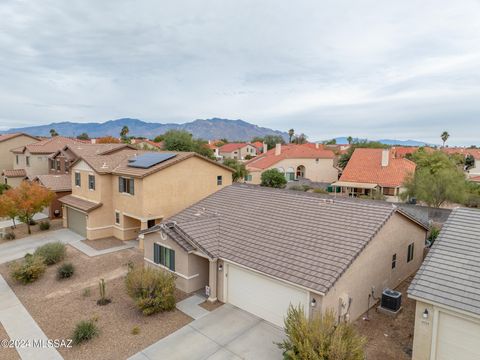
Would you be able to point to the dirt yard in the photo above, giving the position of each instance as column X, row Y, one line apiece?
column 390, row 338
column 58, row 305
column 7, row 353
column 21, row 230
column 102, row 244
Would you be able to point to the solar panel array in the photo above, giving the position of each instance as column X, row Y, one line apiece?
column 146, row 161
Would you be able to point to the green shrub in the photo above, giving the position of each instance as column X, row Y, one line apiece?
column 65, row 271
column 434, row 232
column 320, row 337
column 135, row 330
column 84, row 331
column 152, row 290
column 52, row 252
column 273, row 178
column 9, row 236
column 29, row 269
column 296, row 188
column 320, row 191
column 44, row 225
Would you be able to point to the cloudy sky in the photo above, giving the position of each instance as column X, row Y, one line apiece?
column 379, row 69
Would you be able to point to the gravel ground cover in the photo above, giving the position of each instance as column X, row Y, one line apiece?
column 102, row 244
column 21, row 230
column 7, row 353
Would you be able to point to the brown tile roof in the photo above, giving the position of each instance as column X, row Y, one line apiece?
column 56, row 182
column 365, row 166
column 89, row 149
column 256, row 227
column 5, row 137
column 232, row 147
column 80, row 204
column 48, row 146
column 14, row 173
column 290, row 151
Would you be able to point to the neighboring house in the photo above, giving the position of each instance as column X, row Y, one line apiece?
column 261, row 147
column 7, row 158
column 474, row 171
column 371, row 171
column 306, row 161
column 216, row 149
column 34, row 158
column 61, row 185
column 145, row 144
column 237, row 151
column 447, row 292
column 123, row 192
column 262, row 249
column 403, row 151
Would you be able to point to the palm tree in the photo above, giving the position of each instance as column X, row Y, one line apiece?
column 291, row 132
column 350, row 140
column 124, row 131
column 445, row 135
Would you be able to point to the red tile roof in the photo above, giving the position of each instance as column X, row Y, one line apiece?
column 402, row 151
column 365, row 166
column 258, row 145
column 232, row 147
column 290, row 151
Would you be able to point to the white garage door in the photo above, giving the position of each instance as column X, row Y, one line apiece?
column 77, row 221
column 457, row 338
column 262, row 296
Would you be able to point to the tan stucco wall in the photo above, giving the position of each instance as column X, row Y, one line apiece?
column 372, row 268
column 14, row 182
column 39, row 164
column 240, row 153
column 7, row 158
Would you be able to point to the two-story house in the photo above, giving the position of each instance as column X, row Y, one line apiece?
column 121, row 193
column 238, row 151
column 7, row 143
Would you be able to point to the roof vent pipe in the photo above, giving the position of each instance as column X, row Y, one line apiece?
column 278, row 149
column 264, row 147
column 385, row 157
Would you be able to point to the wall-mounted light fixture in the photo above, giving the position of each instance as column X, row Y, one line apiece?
column 220, row 267
column 313, row 303
column 425, row 314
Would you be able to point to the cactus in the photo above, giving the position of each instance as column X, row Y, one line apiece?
column 103, row 293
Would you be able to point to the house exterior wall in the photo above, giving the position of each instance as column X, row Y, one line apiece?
column 57, row 205
column 7, row 158
column 13, row 182
column 39, row 164
column 373, row 267
column 475, row 170
column 240, row 153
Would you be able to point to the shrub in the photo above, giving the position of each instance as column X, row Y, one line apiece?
column 320, row 191
column 273, row 178
column 29, row 269
column 44, row 225
column 86, row 292
column 320, row 337
column 296, row 188
column 9, row 236
column 434, row 232
column 152, row 290
column 135, row 330
column 65, row 271
column 84, row 331
column 52, row 252
column 32, row 222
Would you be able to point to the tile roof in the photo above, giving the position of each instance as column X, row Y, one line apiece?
column 4, row 137
column 258, row 145
column 402, row 151
column 450, row 274
column 56, row 182
column 14, row 173
column 474, row 179
column 88, row 149
column 255, row 227
column 365, row 166
column 79, row 203
column 232, row 147
column 290, row 151
column 48, row 146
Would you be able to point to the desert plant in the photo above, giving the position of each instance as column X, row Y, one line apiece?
column 65, row 271
column 103, row 293
column 29, row 269
column 86, row 292
column 135, row 330
column 52, row 252
column 84, row 331
column 44, row 225
column 9, row 236
column 320, row 337
column 320, row 191
column 152, row 290
column 434, row 232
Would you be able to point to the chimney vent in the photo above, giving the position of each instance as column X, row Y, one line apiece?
column 278, row 149
column 264, row 147
column 385, row 157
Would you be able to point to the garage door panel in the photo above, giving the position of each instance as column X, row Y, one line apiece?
column 77, row 221
column 457, row 338
column 264, row 297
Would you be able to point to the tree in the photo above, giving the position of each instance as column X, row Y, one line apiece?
column 3, row 188
column 469, row 162
column 330, row 142
column 53, row 132
column 291, row 132
column 345, row 158
column 273, row 178
column 320, row 337
column 124, row 132
column 444, row 136
column 181, row 140
column 300, row 139
column 349, row 140
column 108, row 140
column 158, row 138
column 272, row 140
column 8, row 208
column 83, row 136
column 240, row 169
column 29, row 198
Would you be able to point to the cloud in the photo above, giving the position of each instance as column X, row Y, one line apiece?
column 326, row 68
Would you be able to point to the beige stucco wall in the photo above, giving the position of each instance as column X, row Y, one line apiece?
column 14, row 182
column 7, row 158
column 39, row 164
column 372, row 268
column 240, row 153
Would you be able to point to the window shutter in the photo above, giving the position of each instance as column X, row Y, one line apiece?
column 156, row 253
column 132, row 187
column 172, row 260
column 120, row 184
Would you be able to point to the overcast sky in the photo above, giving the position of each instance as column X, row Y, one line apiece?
column 379, row 69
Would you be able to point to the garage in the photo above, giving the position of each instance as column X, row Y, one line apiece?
column 77, row 221
column 262, row 296
column 457, row 338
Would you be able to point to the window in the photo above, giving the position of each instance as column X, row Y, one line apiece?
column 91, row 182
column 27, row 160
column 77, row 179
column 410, row 252
column 394, row 261
column 16, row 159
column 164, row 256
column 126, row 185
column 219, row 180
column 52, row 164
column 58, row 164
column 389, row 191
column 248, row 177
column 117, row 218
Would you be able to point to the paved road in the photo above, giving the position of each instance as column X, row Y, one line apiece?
column 17, row 249
column 225, row 333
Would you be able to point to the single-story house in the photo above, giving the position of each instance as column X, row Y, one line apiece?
column 447, row 292
column 262, row 249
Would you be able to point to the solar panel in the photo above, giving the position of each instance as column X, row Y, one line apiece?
column 148, row 160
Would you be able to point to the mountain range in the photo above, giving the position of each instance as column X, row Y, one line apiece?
column 343, row 140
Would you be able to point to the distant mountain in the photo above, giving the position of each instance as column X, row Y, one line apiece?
column 343, row 140
column 206, row 129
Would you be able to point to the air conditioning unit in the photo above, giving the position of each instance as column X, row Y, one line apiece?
column 391, row 300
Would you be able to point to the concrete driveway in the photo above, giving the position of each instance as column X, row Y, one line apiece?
column 17, row 249
column 225, row 333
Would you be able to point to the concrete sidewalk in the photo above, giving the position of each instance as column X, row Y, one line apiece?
column 19, row 325
column 88, row 250
column 9, row 222
column 191, row 306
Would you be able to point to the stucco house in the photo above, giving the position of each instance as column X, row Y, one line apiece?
column 371, row 171
column 474, row 171
column 262, row 249
column 306, row 161
column 237, row 150
column 7, row 158
column 447, row 292
column 120, row 193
